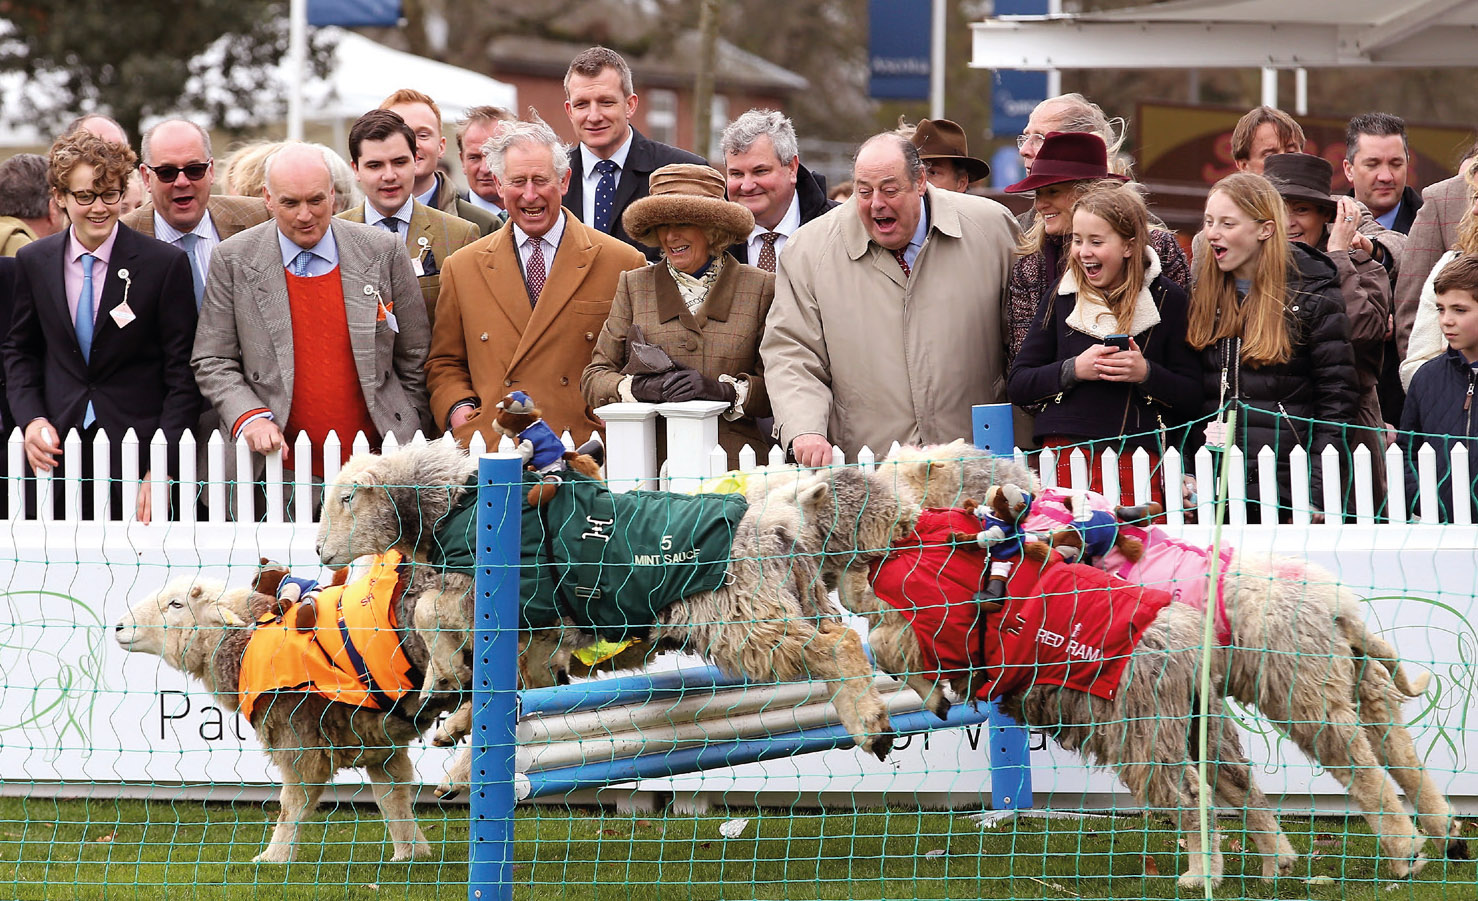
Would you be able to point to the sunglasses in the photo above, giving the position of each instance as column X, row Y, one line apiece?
column 194, row 171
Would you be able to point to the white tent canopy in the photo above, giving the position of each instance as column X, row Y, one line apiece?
column 366, row 72
column 1189, row 34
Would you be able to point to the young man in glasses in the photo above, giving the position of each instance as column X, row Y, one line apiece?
column 178, row 173
column 104, row 321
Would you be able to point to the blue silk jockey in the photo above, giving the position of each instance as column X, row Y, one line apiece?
column 540, row 447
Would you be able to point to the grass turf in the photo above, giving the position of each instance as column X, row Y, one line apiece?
column 99, row 849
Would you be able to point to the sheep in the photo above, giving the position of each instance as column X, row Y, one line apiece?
column 203, row 629
column 760, row 623
column 1298, row 651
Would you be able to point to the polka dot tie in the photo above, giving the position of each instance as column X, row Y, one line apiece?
column 536, row 269
column 605, row 195
column 903, row 261
column 767, row 253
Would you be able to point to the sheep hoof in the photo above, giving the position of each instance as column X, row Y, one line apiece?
column 446, row 792
column 882, row 745
column 939, row 706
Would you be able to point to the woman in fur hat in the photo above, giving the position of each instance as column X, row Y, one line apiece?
column 689, row 326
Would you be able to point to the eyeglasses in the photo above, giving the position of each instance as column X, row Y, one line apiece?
column 194, row 171
column 87, row 198
column 1035, row 139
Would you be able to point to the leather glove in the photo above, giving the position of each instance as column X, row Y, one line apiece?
column 648, row 388
column 690, row 384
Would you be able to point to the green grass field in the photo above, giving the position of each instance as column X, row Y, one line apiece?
column 188, row 850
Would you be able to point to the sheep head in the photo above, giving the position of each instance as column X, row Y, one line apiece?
column 379, row 503
column 183, row 622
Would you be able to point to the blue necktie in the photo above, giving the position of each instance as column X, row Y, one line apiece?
column 197, row 274
column 300, row 263
column 605, row 196
column 85, row 324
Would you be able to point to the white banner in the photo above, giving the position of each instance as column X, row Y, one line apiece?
column 77, row 709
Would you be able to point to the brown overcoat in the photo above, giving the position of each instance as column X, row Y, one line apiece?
column 489, row 340
column 722, row 339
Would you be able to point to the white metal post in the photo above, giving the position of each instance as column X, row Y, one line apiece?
column 297, row 66
column 1269, row 86
column 936, row 61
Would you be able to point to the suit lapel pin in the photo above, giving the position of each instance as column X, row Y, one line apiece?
column 384, row 312
column 123, row 314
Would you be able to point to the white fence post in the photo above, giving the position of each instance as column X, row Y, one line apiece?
column 189, row 481
column 692, row 431
column 1426, row 474
column 631, row 445
column 1395, row 484
column 1363, row 474
column 72, row 486
column 1333, row 499
column 1462, row 493
column 1298, row 468
column 158, row 486
column 128, row 475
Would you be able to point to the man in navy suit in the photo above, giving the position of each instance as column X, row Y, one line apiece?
column 103, row 322
column 615, row 161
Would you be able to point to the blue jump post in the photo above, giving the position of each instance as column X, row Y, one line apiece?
column 495, row 679
column 1010, row 757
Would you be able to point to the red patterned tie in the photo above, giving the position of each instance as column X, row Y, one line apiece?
column 536, row 269
column 903, row 261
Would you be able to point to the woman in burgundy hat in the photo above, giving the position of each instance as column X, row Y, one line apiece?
column 1066, row 166
column 1105, row 364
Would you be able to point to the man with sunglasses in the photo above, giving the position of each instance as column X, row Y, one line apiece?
column 178, row 173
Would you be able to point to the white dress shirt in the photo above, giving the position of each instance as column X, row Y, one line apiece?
column 591, row 178
column 205, row 228
column 784, row 228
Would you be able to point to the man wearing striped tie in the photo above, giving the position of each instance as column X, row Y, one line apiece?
column 521, row 308
column 765, row 175
column 102, row 326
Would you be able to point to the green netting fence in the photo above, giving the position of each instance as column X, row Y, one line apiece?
column 124, row 777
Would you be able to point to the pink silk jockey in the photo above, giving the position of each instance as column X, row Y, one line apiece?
column 1169, row 564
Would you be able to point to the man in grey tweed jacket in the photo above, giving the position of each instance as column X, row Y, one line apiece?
column 248, row 345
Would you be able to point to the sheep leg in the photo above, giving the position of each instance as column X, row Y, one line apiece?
column 1380, row 717
column 391, row 782
column 1339, row 744
column 895, row 648
column 1236, row 789
column 454, row 728
column 458, row 775
column 443, row 625
column 303, row 777
column 833, row 652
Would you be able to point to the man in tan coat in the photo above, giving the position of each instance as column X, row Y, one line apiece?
column 521, row 308
column 888, row 316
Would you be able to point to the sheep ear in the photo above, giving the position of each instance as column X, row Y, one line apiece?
column 814, row 494
column 196, row 591
column 230, row 618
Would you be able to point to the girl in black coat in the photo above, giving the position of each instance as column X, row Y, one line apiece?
column 1086, row 389
column 1270, row 321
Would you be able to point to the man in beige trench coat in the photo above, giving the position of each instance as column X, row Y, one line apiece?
column 887, row 320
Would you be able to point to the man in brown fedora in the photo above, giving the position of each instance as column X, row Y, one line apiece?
column 946, row 155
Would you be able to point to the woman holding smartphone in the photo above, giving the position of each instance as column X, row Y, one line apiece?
column 1105, row 362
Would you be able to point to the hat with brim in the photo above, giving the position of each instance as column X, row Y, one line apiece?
column 941, row 139
column 1301, row 176
column 687, row 194
column 1066, row 157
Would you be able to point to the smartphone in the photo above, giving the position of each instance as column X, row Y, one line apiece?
column 1120, row 342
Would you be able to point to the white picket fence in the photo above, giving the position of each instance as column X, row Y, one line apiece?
column 693, row 454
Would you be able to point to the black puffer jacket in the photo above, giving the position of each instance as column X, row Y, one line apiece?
column 1303, row 402
column 1439, row 411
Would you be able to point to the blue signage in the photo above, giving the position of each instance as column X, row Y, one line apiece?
column 354, row 13
column 898, row 49
column 1014, row 94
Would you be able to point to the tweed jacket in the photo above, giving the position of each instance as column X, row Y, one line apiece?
column 243, row 355
column 448, row 202
column 722, row 339
column 490, row 340
column 138, row 374
column 1432, row 234
column 432, row 238
column 855, row 351
column 645, row 157
column 230, row 214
